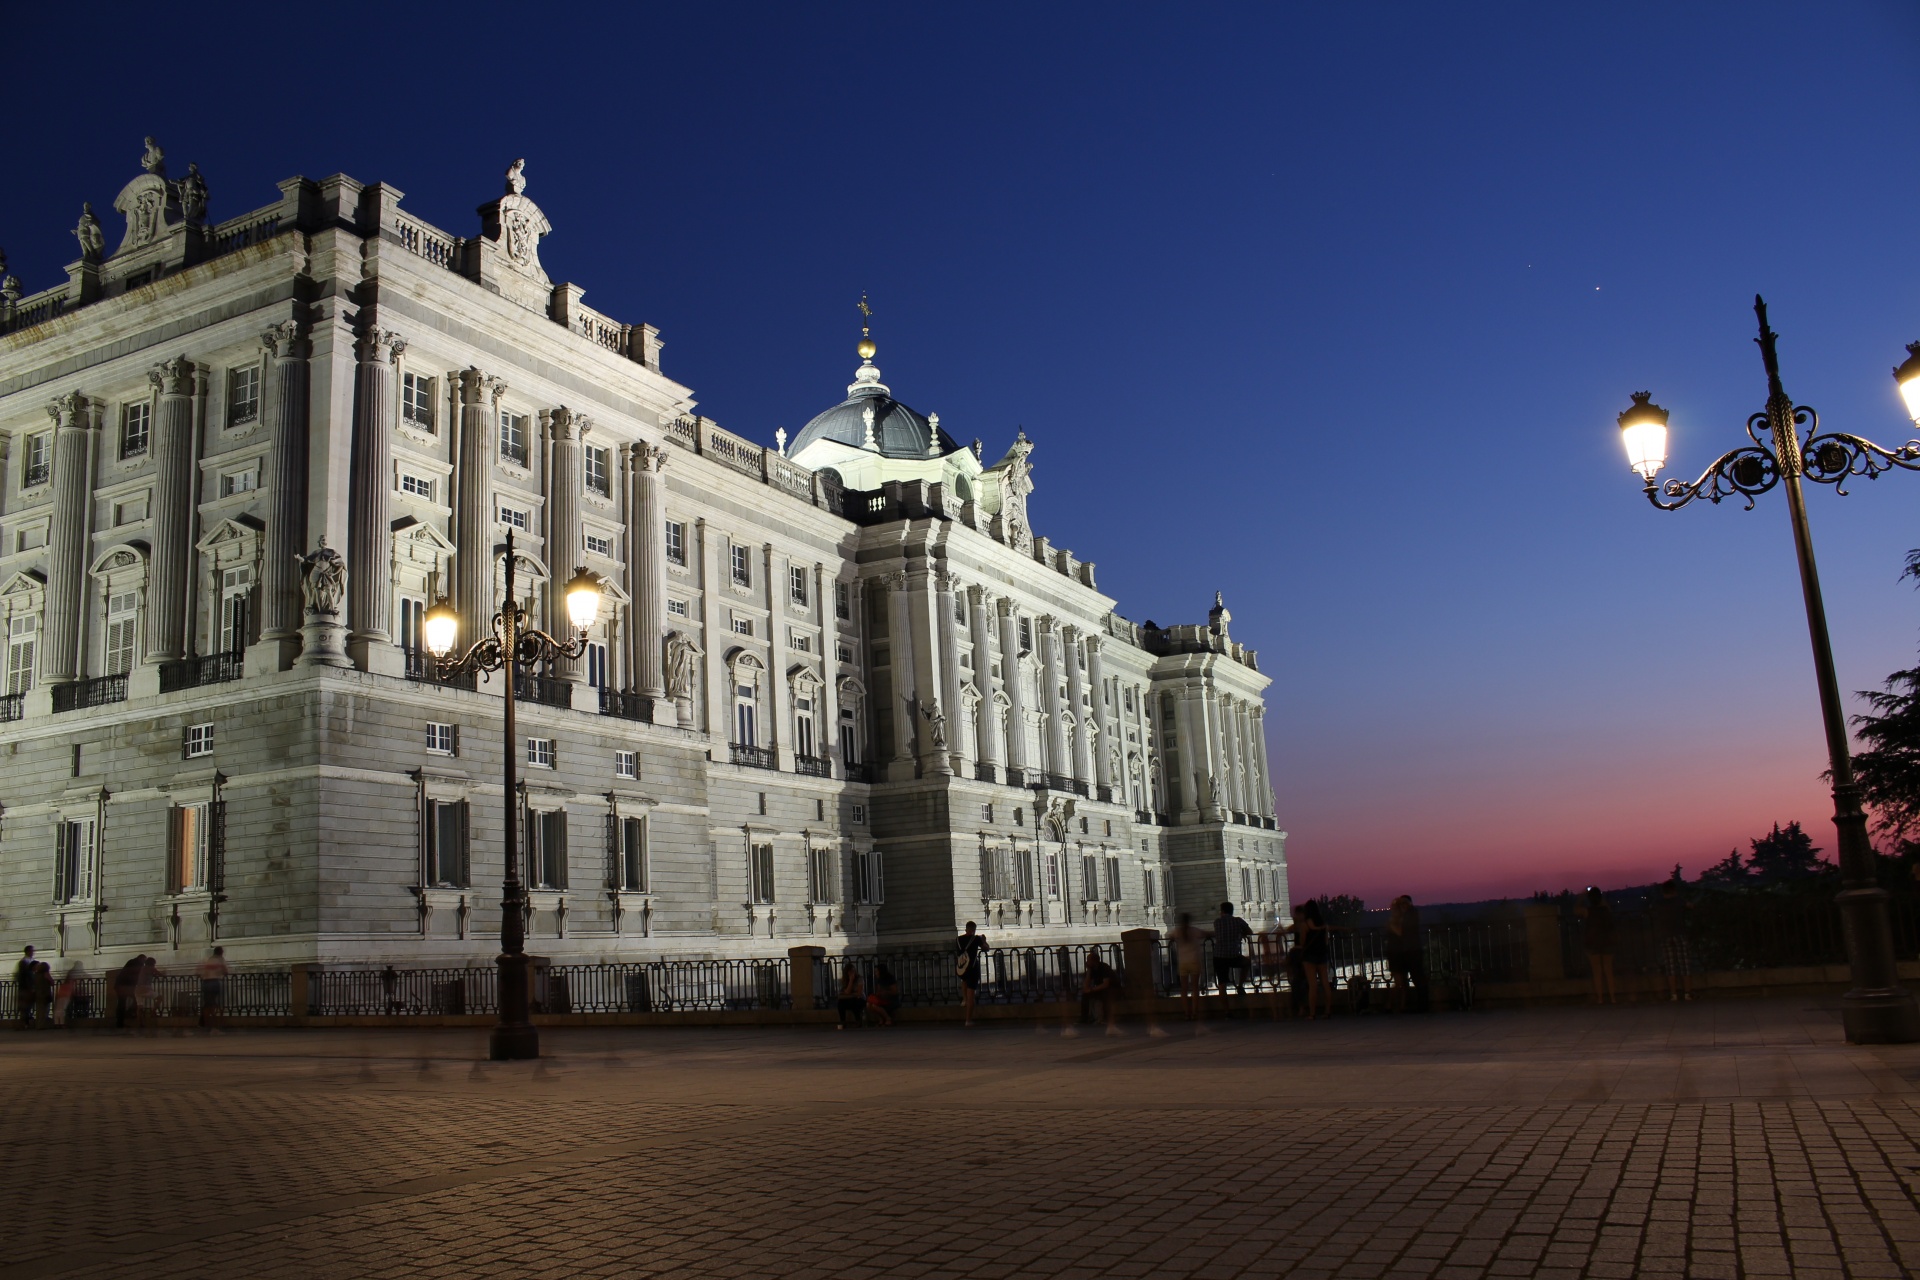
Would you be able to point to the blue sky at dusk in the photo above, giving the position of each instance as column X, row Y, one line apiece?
column 1330, row 308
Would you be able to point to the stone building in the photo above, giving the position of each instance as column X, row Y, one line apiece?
column 839, row 691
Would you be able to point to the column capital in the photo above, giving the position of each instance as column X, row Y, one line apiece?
column 1003, row 605
column 893, row 580
column 378, row 346
column 476, row 386
column 978, row 594
column 69, row 410
column 649, row 457
column 286, row 340
column 562, row 422
column 172, row 377
column 1046, row 622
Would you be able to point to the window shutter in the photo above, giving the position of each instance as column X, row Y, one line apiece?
column 61, row 835
column 615, row 877
column 173, row 849
column 217, row 847
column 879, row 878
column 557, row 848
column 466, row 840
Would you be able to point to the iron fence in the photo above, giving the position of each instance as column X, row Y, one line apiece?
column 929, row 977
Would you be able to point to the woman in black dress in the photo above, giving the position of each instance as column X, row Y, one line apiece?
column 1311, row 928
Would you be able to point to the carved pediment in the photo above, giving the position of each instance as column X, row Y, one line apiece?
column 120, row 559
column 420, row 543
column 804, row 679
column 25, row 584
column 232, row 533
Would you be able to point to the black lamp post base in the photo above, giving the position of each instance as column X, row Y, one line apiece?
column 510, row 1044
column 1880, row 1017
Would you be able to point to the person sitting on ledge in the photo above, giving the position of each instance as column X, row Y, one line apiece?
column 853, row 997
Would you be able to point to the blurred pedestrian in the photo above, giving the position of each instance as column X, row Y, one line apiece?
column 1599, row 940
column 146, row 996
column 1230, row 961
column 23, row 988
column 1310, row 927
column 1406, row 955
column 213, row 989
column 1189, row 945
column 883, row 1001
column 967, row 967
column 1669, row 912
column 69, row 998
column 43, row 993
column 853, row 996
column 1100, row 989
column 126, row 981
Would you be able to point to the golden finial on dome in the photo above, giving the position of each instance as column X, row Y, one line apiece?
column 866, row 347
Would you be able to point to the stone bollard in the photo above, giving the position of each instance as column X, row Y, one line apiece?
column 800, row 991
column 1544, row 962
column 1138, row 949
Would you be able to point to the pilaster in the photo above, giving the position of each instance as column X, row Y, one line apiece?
column 1082, row 747
column 647, row 536
column 370, row 563
column 1103, row 720
column 1015, row 686
column 73, row 448
column 280, row 603
column 173, row 510
column 1047, row 636
column 564, row 430
column 957, row 748
column 980, row 610
column 478, row 397
column 905, row 711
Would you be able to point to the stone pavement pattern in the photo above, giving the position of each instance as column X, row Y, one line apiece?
column 1714, row 1140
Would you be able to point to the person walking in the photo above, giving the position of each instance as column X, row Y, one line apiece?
column 853, row 996
column 1230, row 961
column 970, row 947
column 213, row 989
column 1406, row 956
column 126, row 980
column 1189, row 946
column 1310, row 927
column 67, row 999
column 43, row 992
column 1599, row 940
column 23, row 988
column 1669, row 912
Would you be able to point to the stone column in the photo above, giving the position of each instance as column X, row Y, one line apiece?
column 1048, row 635
column 564, row 552
column 173, row 511
column 1233, row 795
column 1104, row 722
column 280, row 602
column 923, row 627
column 827, row 706
column 67, row 540
column 1189, row 777
column 473, row 517
column 777, row 704
column 958, row 750
column 980, row 607
column 370, row 559
column 1264, row 781
column 904, row 711
column 1015, row 686
column 647, row 538
column 1082, row 712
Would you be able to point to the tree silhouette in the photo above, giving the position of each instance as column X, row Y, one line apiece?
column 1785, row 854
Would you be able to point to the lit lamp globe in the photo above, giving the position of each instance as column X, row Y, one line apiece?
column 1907, row 378
column 1643, row 430
column 442, row 626
column 583, row 600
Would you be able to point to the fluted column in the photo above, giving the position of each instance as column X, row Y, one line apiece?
column 563, row 429
column 779, row 728
column 827, row 717
column 1234, row 796
column 904, row 712
column 173, row 509
column 280, row 602
column 1190, row 775
column 1058, row 759
column 478, row 396
column 67, row 539
column 370, row 560
column 1265, row 782
column 1016, row 687
column 1103, row 720
column 647, row 536
column 957, row 750
column 979, row 610
column 1082, row 746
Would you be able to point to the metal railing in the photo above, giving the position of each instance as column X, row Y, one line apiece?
column 12, row 706
column 82, row 694
column 626, row 706
column 547, row 691
column 37, row 474
column 752, row 757
column 1008, row 975
column 193, row 673
column 343, row 992
column 984, row 772
column 813, row 766
column 248, row 993
column 424, row 669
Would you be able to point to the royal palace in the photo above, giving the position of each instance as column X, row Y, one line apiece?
column 839, row 693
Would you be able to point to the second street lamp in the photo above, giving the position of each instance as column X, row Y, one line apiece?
column 512, row 645
column 1877, row 1010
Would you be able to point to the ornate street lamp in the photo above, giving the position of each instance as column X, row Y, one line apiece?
column 1877, row 1010
column 512, row 644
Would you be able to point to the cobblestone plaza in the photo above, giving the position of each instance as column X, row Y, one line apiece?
column 1718, row 1140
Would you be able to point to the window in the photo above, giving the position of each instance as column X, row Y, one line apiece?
column 596, row 474
column 513, row 438
column 1150, row 887
column 626, row 764
column 240, row 482
column 413, row 615
column 243, row 395
column 803, row 744
column 986, row 812
column 131, row 511
column 960, row 608
column 820, row 875
column 1246, row 884
column 36, row 460
column 136, row 428
column 73, row 861
column 199, row 740
column 1053, row 875
column 743, row 565
column 1127, row 697
column 676, row 542
column 418, row 486
column 1026, row 635
column 632, row 855
column 842, row 600
column 849, row 737
column 678, row 608
column 1113, row 879
column 236, row 608
column 843, row 652
column 1083, row 826
column 796, row 584
column 1023, row 867
column 123, row 621
column 1019, row 816
column 859, row 815
column 513, row 516
column 547, row 848
column 597, row 665
column 599, row 546
column 448, row 836
column 745, row 726
column 443, row 739
column 799, row 643
column 872, row 876
column 1089, row 877
column 22, row 630
column 416, row 401
column 540, row 753
column 188, row 849
column 760, row 872
column 743, row 626
column 1109, row 826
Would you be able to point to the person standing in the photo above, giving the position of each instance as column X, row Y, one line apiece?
column 1599, row 940
column 23, row 988
column 43, row 992
column 126, row 980
column 65, row 1011
column 213, row 989
column 1669, row 913
column 970, row 947
column 1310, row 927
column 1189, row 944
column 1230, row 961
column 1406, row 955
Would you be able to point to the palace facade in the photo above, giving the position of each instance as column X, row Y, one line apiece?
column 839, row 692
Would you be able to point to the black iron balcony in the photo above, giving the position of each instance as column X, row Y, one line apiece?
column 192, row 673
column 82, row 694
column 421, row 667
column 984, row 772
column 857, row 772
column 1058, row 782
column 35, row 475
column 548, row 691
column 1081, row 789
column 627, row 706
column 12, row 706
column 1105, row 795
column 752, row 757
column 813, row 766
column 1142, row 817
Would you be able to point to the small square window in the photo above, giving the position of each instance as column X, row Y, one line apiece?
column 626, row 764
column 416, row 401
column 859, row 815
column 1019, row 817
column 676, row 542
column 799, row 643
column 843, row 652
column 513, row 516
column 243, row 396
column 540, row 753
column 743, row 626
column 986, row 813
column 599, row 546
column 678, row 608
column 238, row 482
column 199, row 740
column 442, row 739
column 418, row 486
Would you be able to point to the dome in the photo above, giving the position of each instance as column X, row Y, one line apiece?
column 899, row 431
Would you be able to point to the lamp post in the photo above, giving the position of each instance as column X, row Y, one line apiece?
column 513, row 644
column 1877, row 1010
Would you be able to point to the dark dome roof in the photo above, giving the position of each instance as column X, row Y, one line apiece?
column 900, row 432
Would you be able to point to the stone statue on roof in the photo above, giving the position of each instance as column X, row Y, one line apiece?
column 155, row 160
column 93, row 241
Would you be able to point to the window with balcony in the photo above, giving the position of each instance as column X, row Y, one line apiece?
column 676, row 542
column 417, row 402
column 36, row 459
column 596, row 656
column 796, row 584
column 842, row 600
column 243, row 396
column 746, row 714
column 803, row 735
column 136, row 429
column 123, row 625
column 23, row 633
column 742, row 565
column 598, row 471
column 236, row 609
column 513, row 438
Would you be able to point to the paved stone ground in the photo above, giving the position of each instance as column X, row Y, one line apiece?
column 1714, row 1140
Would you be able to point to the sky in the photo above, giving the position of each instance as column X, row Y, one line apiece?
column 1327, row 307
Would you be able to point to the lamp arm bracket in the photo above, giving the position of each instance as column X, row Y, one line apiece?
column 1745, row 473
column 1833, row 457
